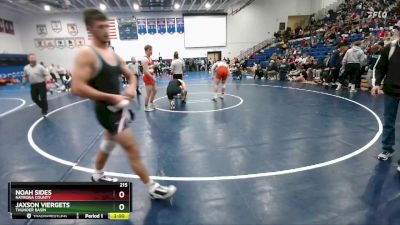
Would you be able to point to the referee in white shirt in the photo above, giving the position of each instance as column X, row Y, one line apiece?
column 177, row 67
column 134, row 68
column 36, row 75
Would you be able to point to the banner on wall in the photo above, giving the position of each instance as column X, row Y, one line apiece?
column 50, row 43
column 151, row 26
column 41, row 29
column 127, row 28
column 39, row 43
column 141, row 23
column 56, row 26
column 79, row 41
column 1, row 25
column 66, row 42
column 60, row 43
column 72, row 29
column 171, row 25
column 8, row 27
column 180, row 28
column 70, row 42
column 161, row 29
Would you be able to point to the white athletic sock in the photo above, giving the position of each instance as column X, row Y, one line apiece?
column 98, row 174
column 150, row 183
column 215, row 95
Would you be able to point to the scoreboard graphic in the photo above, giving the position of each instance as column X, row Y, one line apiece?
column 69, row 200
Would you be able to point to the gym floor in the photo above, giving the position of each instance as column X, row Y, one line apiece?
column 270, row 153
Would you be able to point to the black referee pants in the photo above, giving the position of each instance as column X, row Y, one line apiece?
column 39, row 96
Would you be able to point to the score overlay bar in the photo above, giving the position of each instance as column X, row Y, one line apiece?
column 69, row 200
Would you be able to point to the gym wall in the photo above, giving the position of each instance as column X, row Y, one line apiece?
column 245, row 29
column 11, row 43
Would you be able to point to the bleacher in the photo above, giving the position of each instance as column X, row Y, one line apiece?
column 319, row 52
column 261, row 58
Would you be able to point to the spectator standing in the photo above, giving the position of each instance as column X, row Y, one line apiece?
column 386, row 70
column 283, row 70
column 352, row 62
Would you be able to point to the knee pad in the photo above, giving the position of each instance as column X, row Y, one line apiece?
column 224, row 86
column 107, row 146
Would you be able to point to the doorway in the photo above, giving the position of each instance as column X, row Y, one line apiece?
column 214, row 56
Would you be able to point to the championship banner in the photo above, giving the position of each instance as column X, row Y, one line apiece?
column 161, row 29
column 79, row 41
column 72, row 29
column 171, row 25
column 70, row 42
column 151, row 26
column 180, row 28
column 41, row 29
column 8, row 27
column 127, row 28
column 56, row 26
column 50, row 43
column 40, row 43
column 60, row 43
column 1, row 26
column 141, row 24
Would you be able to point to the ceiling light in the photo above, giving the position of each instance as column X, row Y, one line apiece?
column 47, row 7
column 177, row 6
column 135, row 6
column 103, row 7
column 208, row 5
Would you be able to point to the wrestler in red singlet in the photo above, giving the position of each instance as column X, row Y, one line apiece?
column 149, row 79
column 222, row 70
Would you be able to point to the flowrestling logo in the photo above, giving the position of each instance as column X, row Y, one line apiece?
column 377, row 14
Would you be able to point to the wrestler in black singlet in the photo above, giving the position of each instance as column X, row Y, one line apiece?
column 174, row 88
column 107, row 80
